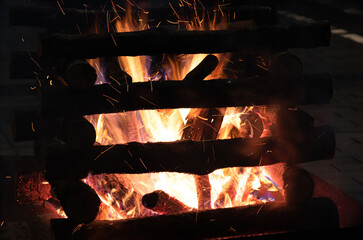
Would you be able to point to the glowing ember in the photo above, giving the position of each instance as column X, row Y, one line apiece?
column 121, row 194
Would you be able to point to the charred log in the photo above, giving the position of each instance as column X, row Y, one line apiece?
column 161, row 202
column 203, row 69
column 257, row 219
column 177, row 42
column 178, row 94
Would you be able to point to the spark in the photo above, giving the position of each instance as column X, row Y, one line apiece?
column 32, row 125
column 33, row 60
column 174, row 10
column 33, row 88
column 8, row 177
column 259, row 209
column 172, row 22
column 60, row 7
column 129, row 165
column 258, row 65
column 232, row 229
column 113, row 39
column 115, row 80
column 149, row 102
column 158, row 24
column 77, row 228
column 115, row 89
column 104, row 152
column 110, row 98
column 143, row 163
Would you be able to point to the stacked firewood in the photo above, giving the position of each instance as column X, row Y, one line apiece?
column 268, row 75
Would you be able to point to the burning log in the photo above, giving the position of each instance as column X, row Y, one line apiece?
column 298, row 186
column 161, row 202
column 204, row 157
column 179, row 94
column 54, row 20
column 78, row 133
column 203, row 69
column 256, row 219
column 79, row 201
column 188, row 42
column 122, row 198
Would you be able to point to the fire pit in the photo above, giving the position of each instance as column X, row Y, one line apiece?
column 186, row 130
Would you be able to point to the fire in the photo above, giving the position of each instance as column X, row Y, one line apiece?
column 230, row 187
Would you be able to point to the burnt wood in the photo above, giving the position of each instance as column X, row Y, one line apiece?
column 63, row 101
column 161, row 40
column 161, row 202
column 204, row 68
column 298, row 186
column 256, row 219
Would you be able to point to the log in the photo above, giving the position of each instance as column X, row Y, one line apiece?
column 79, row 74
column 78, row 133
column 285, row 67
column 54, row 20
column 161, row 202
column 120, row 191
column 58, row 101
column 79, row 201
column 188, row 42
column 203, row 125
column 298, row 186
column 113, row 72
column 203, row 69
column 270, row 217
column 202, row 158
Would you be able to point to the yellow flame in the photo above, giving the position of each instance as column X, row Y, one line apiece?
column 231, row 186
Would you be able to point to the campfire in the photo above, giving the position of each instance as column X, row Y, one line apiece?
column 188, row 129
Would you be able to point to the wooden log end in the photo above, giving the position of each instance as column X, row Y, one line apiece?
column 80, row 74
column 298, row 186
column 79, row 201
column 78, row 133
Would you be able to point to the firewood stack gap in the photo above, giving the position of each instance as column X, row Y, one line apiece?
column 66, row 140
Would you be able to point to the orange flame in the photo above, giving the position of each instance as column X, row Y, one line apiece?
column 230, row 187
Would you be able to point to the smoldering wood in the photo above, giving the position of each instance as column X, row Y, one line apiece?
column 74, row 20
column 58, row 101
column 256, row 219
column 204, row 157
column 161, row 40
column 78, row 133
column 204, row 68
column 161, row 202
column 79, row 201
